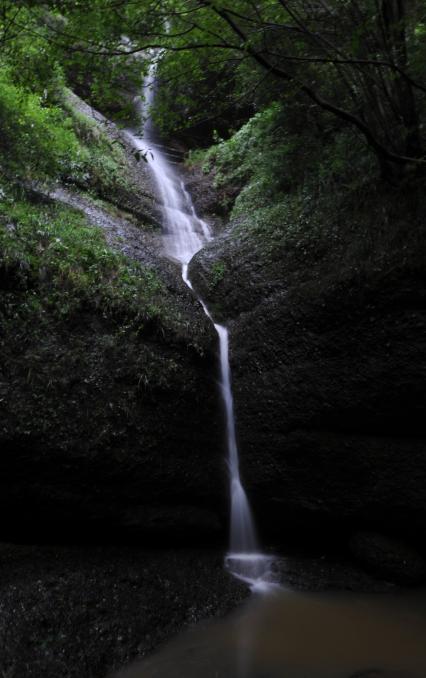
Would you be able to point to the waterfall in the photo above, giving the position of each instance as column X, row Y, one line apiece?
column 184, row 234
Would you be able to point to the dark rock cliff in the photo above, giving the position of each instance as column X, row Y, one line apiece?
column 107, row 431
column 106, row 427
column 110, row 429
column 328, row 352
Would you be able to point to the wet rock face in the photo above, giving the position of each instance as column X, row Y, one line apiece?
column 137, row 193
column 86, row 443
column 340, row 409
column 112, row 431
column 391, row 557
column 205, row 197
column 328, row 374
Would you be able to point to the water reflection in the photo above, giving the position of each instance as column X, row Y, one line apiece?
column 293, row 635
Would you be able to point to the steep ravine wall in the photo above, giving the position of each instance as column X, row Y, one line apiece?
column 108, row 428
column 109, row 432
column 328, row 355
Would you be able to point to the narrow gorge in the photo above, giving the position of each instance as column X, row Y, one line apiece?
column 212, row 339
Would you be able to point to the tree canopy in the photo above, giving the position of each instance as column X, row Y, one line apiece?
column 360, row 62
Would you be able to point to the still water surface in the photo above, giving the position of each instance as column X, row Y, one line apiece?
column 298, row 635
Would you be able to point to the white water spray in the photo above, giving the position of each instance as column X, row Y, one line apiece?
column 184, row 235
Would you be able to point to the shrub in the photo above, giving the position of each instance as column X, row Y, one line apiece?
column 35, row 140
column 59, row 262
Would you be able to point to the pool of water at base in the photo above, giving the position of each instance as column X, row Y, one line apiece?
column 286, row 634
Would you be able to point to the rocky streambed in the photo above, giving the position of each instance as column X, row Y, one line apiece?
column 85, row 611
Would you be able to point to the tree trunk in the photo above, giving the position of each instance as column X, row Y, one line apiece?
column 394, row 22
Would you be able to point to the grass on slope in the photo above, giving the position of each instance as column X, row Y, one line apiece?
column 59, row 264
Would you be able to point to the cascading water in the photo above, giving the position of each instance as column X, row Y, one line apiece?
column 184, row 235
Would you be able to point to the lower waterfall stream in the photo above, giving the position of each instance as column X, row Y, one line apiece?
column 184, row 234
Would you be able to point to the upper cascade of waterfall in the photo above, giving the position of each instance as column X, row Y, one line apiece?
column 184, row 234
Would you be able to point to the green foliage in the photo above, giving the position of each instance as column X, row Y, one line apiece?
column 62, row 266
column 195, row 94
column 109, row 84
column 284, row 196
column 265, row 161
column 35, row 140
column 102, row 165
column 359, row 62
column 32, row 60
column 217, row 273
column 249, row 151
